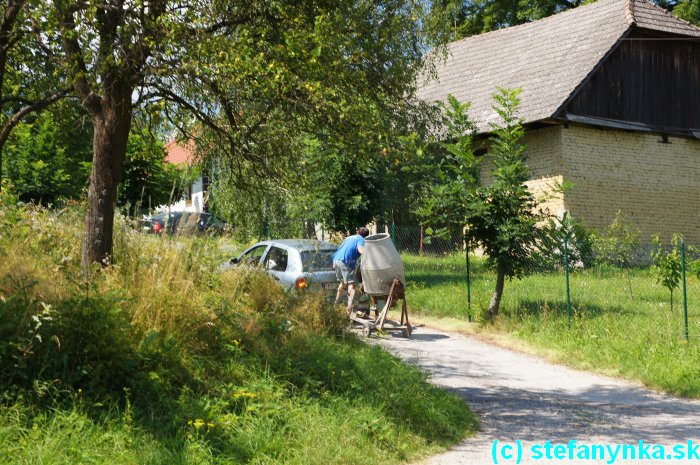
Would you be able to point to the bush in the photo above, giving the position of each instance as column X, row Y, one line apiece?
column 617, row 244
column 550, row 244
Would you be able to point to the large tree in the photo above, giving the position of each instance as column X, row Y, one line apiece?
column 322, row 96
column 251, row 73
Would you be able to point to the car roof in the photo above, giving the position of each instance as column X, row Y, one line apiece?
column 301, row 244
column 181, row 213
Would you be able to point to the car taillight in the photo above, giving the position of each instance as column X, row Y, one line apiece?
column 301, row 283
column 157, row 227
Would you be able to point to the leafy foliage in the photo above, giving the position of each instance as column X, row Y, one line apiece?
column 445, row 203
column 617, row 243
column 616, row 246
column 667, row 263
column 554, row 236
column 148, row 179
column 30, row 80
column 688, row 10
column 48, row 159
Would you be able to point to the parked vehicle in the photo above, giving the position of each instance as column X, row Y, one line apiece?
column 295, row 263
column 183, row 223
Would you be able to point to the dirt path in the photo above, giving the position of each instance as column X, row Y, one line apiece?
column 521, row 397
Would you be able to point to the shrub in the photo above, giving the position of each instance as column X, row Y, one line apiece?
column 550, row 245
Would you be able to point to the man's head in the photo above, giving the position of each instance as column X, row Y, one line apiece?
column 362, row 231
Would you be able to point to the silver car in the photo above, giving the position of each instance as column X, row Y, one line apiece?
column 295, row 263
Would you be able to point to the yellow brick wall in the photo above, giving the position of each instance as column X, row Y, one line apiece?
column 657, row 186
column 544, row 159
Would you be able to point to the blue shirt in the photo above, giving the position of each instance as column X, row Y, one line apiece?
column 347, row 252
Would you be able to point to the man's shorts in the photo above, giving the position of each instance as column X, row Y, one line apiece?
column 344, row 273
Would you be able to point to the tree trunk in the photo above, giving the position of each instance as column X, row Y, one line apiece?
column 111, row 132
column 492, row 312
column 420, row 242
column 310, row 228
column 672, row 300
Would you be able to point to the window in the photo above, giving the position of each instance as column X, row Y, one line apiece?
column 276, row 259
column 253, row 256
column 317, row 260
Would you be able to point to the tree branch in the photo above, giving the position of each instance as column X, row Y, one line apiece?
column 76, row 64
column 196, row 112
column 24, row 111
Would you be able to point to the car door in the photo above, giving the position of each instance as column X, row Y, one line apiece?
column 276, row 263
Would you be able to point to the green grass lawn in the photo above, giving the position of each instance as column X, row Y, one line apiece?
column 637, row 338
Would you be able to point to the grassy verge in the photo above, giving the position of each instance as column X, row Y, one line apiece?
column 637, row 337
column 162, row 359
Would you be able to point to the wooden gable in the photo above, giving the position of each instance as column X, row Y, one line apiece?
column 651, row 78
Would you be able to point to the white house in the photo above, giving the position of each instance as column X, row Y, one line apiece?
column 195, row 197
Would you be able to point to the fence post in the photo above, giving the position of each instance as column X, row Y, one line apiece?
column 420, row 243
column 469, row 285
column 685, row 298
column 393, row 233
column 566, row 270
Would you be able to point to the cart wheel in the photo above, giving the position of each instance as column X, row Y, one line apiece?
column 366, row 331
column 407, row 332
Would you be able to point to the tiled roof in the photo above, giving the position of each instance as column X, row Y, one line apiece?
column 178, row 153
column 547, row 58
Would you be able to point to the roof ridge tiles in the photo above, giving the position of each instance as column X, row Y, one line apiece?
column 667, row 13
column 537, row 22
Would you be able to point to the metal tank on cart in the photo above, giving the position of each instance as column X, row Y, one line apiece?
column 383, row 279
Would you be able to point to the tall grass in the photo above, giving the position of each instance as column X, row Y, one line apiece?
column 162, row 358
column 636, row 337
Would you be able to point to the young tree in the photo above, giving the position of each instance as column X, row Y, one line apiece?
column 617, row 245
column 558, row 233
column 667, row 264
column 502, row 217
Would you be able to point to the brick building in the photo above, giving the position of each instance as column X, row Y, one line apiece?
column 611, row 104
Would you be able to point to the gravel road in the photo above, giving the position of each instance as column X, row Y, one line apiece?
column 521, row 397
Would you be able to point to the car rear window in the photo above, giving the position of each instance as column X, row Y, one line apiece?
column 317, row 260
